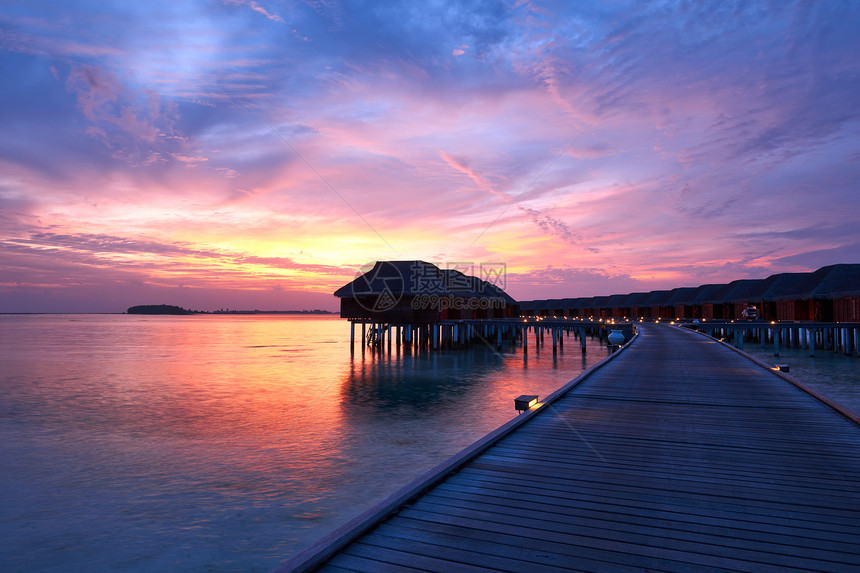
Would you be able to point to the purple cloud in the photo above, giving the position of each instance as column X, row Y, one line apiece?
column 646, row 144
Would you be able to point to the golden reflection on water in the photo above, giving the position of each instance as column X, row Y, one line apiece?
column 239, row 436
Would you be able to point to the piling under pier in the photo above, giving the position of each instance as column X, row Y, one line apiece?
column 497, row 333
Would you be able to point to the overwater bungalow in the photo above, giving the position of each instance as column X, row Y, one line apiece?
column 417, row 292
column 830, row 294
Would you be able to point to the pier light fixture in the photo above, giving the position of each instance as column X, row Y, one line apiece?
column 525, row 402
column 782, row 367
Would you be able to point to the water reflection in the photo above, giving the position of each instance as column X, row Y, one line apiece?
column 225, row 442
column 418, row 381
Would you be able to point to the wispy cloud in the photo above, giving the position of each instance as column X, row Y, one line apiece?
column 630, row 144
column 256, row 7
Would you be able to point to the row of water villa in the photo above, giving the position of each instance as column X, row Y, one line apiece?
column 416, row 305
column 830, row 294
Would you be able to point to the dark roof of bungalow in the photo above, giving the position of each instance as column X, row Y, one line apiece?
column 658, row 297
column 618, row 300
column 419, row 278
column 712, row 294
column 480, row 287
column 833, row 281
column 829, row 282
column 682, row 295
column 839, row 281
column 600, row 302
column 638, row 299
column 584, row 303
column 749, row 290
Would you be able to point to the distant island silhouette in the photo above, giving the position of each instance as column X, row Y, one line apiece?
column 158, row 309
column 315, row 311
column 173, row 309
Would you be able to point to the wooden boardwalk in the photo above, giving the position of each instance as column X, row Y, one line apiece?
column 678, row 455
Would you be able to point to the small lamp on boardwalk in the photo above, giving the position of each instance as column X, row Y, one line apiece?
column 524, row 402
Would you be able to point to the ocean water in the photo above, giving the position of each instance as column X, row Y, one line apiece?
column 225, row 443
column 833, row 374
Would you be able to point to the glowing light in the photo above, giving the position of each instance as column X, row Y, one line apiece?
column 525, row 402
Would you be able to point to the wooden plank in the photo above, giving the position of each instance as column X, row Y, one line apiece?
column 596, row 518
column 489, row 555
column 741, row 463
column 360, row 564
column 536, row 552
column 737, row 484
column 410, row 560
column 559, row 552
column 596, row 544
column 693, row 503
column 678, row 455
column 673, row 516
column 684, row 488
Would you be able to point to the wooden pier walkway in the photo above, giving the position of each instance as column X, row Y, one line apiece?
column 679, row 454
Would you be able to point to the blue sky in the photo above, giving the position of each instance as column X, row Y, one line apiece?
column 255, row 154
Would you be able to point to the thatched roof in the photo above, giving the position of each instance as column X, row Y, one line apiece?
column 682, row 295
column 658, row 297
column 584, row 303
column 638, row 299
column 711, row 294
column 834, row 281
column 419, row 278
column 618, row 300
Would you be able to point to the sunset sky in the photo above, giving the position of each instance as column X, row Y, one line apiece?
column 257, row 153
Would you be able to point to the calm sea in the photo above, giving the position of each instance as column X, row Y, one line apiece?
column 225, row 443
column 833, row 374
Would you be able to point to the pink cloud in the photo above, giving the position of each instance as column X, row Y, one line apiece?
column 105, row 102
column 188, row 161
column 256, row 8
column 481, row 181
column 629, row 161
